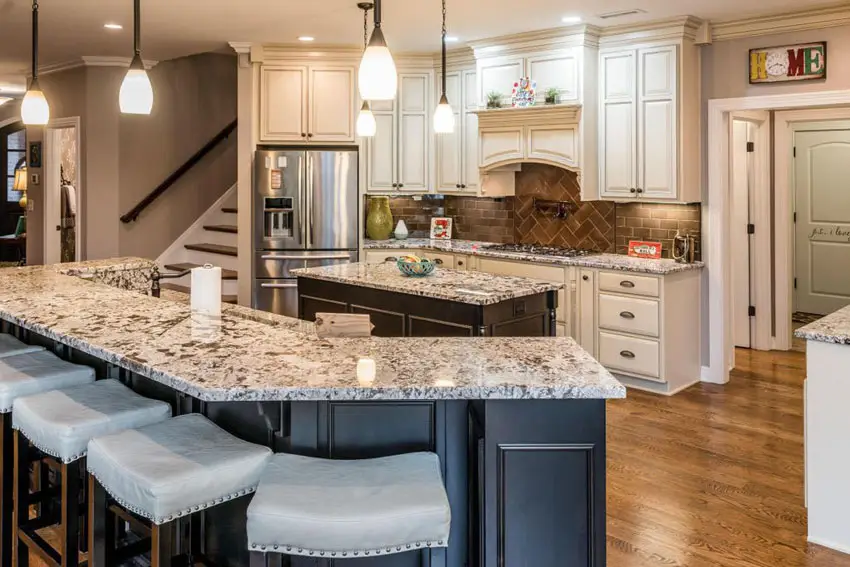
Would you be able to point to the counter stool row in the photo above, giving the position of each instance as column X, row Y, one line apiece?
column 151, row 469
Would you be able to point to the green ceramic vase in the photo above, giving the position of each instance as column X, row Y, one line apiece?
column 379, row 221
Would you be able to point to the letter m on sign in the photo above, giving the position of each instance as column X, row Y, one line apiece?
column 795, row 62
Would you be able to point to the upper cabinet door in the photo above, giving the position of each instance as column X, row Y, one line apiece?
column 498, row 74
column 449, row 145
column 617, row 123
column 469, row 157
column 657, row 123
column 414, row 114
column 283, row 103
column 381, row 154
column 553, row 143
column 331, row 104
column 556, row 70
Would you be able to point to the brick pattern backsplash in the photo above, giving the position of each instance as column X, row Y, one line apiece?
column 488, row 220
column 657, row 222
column 416, row 213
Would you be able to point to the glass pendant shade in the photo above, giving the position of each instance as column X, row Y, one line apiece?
column 444, row 117
column 34, row 108
column 136, row 95
column 377, row 78
column 366, row 125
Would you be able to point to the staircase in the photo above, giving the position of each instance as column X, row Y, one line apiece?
column 210, row 240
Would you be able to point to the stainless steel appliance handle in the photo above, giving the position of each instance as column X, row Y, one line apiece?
column 310, row 200
column 279, row 285
column 326, row 257
column 302, row 197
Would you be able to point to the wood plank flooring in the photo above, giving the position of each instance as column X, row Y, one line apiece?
column 712, row 477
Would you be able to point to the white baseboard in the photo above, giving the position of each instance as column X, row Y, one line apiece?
column 829, row 544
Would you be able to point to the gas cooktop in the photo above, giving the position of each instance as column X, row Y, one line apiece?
column 540, row 250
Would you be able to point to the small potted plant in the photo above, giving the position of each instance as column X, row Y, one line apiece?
column 494, row 99
column 552, row 95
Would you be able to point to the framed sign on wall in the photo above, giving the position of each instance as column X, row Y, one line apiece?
column 803, row 62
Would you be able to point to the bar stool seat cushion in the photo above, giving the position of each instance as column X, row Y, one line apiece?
column 33, row 373
column 61, row 422
column 175, row 467
column 335, row 508
column 10, row 346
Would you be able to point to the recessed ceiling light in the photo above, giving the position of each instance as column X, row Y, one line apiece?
column 111, row 26
column 571, row 19
column 306, row 38
column 451, row 38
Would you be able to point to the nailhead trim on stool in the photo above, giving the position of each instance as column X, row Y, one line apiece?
column 290, row 550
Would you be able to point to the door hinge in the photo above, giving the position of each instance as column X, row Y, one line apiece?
column 795, row 283
column 751, row 147
column 795, row 151
column 752, row 311
column 751, row 228
column 795, row 217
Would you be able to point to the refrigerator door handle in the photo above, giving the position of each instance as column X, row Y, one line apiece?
column 302, row 165
column 279, row 285
column 309, row 201
column 325, row 257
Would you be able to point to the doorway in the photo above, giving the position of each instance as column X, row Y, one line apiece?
column 62, row 192
column 742, row 180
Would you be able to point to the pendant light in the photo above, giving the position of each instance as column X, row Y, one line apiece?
column 34, row 108
column 136, row 95
column 377, row 79
column 444, row 116
column 366, row 125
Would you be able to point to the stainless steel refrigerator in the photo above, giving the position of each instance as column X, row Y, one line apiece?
column 305, row 215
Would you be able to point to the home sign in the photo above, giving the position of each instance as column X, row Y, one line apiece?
column 803, row 62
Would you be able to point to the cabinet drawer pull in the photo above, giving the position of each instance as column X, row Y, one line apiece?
column 627, row 315
column 627, row 283
column 390, row 259
column 460, row 262
column 438, row 261
column 627, row 354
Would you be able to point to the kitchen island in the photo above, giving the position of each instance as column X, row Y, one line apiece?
column 518, row 423
column 446, row 303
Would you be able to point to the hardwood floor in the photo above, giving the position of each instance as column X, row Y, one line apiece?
column 713, row 476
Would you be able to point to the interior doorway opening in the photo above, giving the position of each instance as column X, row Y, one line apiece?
column 62, row 192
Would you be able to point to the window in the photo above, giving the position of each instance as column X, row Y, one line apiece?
column 13, row 147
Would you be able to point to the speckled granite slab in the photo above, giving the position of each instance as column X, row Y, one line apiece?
column 617, row 262
column 475, row 288
column 834, row 328
column 248, row 355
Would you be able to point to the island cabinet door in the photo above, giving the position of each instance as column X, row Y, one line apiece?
column 544, row 483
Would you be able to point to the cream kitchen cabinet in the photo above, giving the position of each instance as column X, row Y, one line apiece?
column 399, row 155
column 649, row 121
column 558, row 69
column 307, row 103
column 457, row 153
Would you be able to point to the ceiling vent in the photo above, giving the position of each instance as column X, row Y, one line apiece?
column 621, row 14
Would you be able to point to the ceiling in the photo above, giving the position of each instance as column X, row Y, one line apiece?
column 173, row 28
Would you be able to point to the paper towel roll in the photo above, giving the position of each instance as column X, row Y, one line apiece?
column 206, row 290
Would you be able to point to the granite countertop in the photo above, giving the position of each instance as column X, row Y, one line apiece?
column 834, row 328
column 256, row 356
column 617, row 262
column 475, row 288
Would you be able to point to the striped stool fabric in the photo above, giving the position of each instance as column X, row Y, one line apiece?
column 35, row 372
column 10, row 346
column 347, row 509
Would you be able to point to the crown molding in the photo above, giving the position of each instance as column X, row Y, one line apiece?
column 240, row 47
column 90, row 61
column 670, row 29
column 787, row 22
column 458, row 57
column 581, row 35
column 268, row 53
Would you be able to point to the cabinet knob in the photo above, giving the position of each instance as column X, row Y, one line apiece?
column 632, row 190
column 303, row 134
column 640, row 190
column 310, row 135
column 585, row 278
column 460, row 262
column 395, row 184
column 463, row 186
column 401, row 184
column 457, row 186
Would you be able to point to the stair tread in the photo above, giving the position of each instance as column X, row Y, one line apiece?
column 233, row 210
column 222, row 228
column 213, row 248
column 185, row 289
column 225, row 273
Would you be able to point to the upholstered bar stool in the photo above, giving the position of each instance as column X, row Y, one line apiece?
column 60, row 424
column 336, row 509
column 30, row 370
column 163, row 472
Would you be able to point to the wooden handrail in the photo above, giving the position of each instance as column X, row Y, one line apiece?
column 178, row 173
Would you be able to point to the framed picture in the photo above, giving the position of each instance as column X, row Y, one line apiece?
column 781, row 64
column 641, row 249
column 35, row 154
column 441, row 228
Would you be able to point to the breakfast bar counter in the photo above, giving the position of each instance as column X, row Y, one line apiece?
column 517, row 423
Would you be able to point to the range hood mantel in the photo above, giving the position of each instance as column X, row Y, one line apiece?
column 539, row 134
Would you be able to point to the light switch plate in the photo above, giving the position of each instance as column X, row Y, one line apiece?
column 35, row 179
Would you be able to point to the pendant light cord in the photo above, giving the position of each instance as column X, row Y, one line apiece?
column 34, row 40
column 377, row 13
column 444, row 48
column 137, row 27
column 365, row 28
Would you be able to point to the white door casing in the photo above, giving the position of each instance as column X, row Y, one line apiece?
column 742, row 134
column 822, row 238
column 53, row 191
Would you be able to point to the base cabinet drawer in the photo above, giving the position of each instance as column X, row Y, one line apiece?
column 442, row 260
column 628, row 314
column 380, row 256
column 624, row 282
column 629, row 354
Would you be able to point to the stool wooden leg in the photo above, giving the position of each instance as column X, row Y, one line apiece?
column 257, row 559
column 101, row 545
column 7, row 450
column 70, row 513
column 161, row 548
column 22, row 492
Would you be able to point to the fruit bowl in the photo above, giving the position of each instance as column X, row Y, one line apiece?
column 417, row 268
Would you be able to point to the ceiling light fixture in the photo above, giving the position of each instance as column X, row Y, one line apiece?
column 366, row 125
column 34, row 109
column 451, row 39
column 444, row 116
column 377, row 78
column 111, row 26
column 306, row 38
column 136, row 94
column 571, row 19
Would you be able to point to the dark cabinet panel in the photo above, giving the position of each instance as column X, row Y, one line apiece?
column 425, row 327
column 308, row 306
column 364, row 430
column 534, row 326
column 387, row 323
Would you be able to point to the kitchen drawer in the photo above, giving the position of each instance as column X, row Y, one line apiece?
column 463, row 262
column 629, row 354
column 533, row 271
column 379, row 256
column 442, row 260
column 628, row 314
column 624, row 282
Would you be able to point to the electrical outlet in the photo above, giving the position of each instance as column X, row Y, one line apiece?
column 30, row 205
column 35, row 179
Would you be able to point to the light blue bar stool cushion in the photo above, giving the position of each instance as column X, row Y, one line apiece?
column 33, row 373
column 335, row 508
column 10, row 346
column 61, row 422
column 175, row 467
